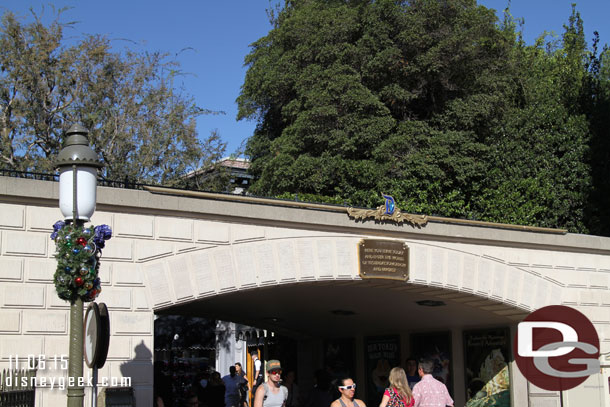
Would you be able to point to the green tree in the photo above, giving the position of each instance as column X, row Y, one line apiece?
column 141, row 124
column 335, row 80
column 336, row 84
column 594, row 103
column 540, row 149
column 319, row 122
column 431, row 101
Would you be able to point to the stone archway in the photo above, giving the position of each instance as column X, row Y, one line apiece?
column 258, row 261
column 171, row 251
column 303, row 276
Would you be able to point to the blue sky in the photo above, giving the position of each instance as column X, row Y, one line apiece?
column 217, row 34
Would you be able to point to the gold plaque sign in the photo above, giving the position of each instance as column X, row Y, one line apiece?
column 383, row 259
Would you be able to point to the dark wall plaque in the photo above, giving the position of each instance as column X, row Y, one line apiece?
column 383, row 259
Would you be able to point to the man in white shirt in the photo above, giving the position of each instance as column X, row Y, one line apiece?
column 258, row 371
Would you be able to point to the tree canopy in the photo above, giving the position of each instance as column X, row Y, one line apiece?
column 142, row 125
column 436, row 103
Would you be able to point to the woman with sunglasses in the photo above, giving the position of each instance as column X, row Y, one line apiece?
column 347, row 389
column 399, row 393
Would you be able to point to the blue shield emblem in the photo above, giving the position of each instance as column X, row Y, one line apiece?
column 390, row 205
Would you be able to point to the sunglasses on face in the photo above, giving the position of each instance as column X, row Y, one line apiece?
column 275, row 372
column 350, row 387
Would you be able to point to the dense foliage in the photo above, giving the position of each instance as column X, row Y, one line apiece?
column 436, row 103
column 141, row 124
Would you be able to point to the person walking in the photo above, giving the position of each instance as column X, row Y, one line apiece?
column 429, row 392
column 258, row 372
column 293, row 389
column 411, row 370
column 191, row 400
column 347, row 389
column 272, row 393
column 232, row 382
column 399, row 393
column 321, row 395
column 243, row 386
column 215, row 391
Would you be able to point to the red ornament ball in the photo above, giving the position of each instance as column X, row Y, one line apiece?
column 79, row 281
column 81, row 241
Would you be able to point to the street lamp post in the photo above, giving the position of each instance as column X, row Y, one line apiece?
column 78, row 165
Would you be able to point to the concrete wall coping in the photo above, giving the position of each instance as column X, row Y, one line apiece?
column 46, row 193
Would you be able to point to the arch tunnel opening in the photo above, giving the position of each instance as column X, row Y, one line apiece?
column 362, row 328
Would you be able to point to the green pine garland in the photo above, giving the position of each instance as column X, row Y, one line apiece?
column 77, row 262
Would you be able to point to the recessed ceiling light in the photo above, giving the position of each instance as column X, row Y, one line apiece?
column 272, row 319
column 430, row 303
column 342, row 312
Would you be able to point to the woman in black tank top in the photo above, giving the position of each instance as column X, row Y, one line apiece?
column 347, row 389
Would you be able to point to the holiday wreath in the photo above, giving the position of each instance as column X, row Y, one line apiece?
column 79, row 249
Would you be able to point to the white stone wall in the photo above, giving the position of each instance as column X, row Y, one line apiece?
column 34, row 321
column 157, row 260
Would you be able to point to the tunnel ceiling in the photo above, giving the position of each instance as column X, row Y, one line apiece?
column 331, row 309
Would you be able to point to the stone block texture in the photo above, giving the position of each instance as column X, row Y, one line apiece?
column 155, row 261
